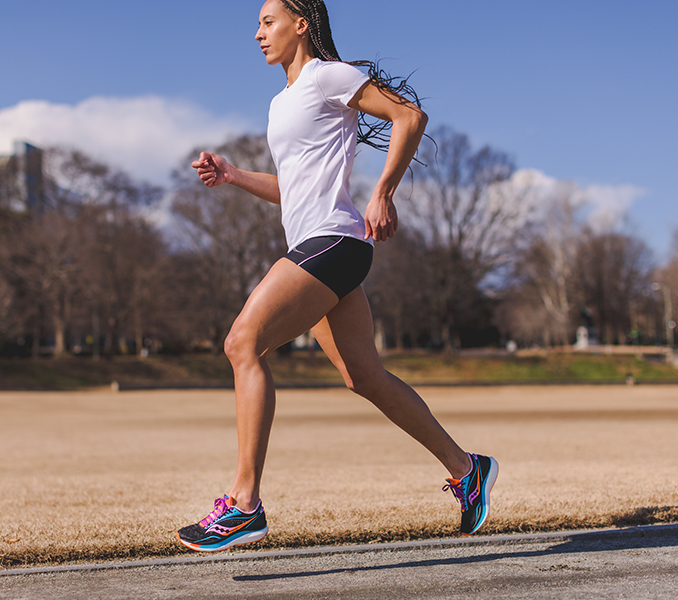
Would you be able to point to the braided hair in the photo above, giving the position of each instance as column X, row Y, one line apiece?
column 373, row 133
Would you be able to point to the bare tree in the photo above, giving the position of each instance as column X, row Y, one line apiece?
column 522, row 317
column 83, row 250
column 40, row 261
column 397, row 287
column 545, row 268
column 470, row 222
column 665, row 294
column 615, row 274
column 232, row 238
column 122, row 272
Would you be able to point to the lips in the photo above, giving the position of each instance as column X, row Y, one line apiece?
column 264, row 49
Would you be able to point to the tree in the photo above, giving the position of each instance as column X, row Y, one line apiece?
column 543, row 271
column 118, row 249
column 229, row 238
column 667, row 278
column 40, row 262
column 470, row 220
column 85, row 251
column 123, row 259
column 397, row 287
column 615, row 273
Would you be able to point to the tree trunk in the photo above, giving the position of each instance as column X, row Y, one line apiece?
column 59, row 345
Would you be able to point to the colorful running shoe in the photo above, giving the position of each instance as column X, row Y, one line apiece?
column 224, row 527
column 473, row 492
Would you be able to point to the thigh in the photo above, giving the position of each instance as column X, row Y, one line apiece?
column 287, row 303
column 346, row 335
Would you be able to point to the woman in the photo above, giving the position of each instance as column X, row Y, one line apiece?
column 312, row 135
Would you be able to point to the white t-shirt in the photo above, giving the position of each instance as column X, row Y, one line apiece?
column 312, row 135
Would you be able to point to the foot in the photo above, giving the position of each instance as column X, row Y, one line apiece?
column 473, row 492
column 224, row 527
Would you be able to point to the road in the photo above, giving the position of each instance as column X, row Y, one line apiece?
column 634, row 563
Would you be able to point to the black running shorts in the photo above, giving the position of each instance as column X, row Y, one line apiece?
column 340, row 262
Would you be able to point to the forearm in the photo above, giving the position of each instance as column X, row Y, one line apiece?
column 261, row 185
column 408, row 129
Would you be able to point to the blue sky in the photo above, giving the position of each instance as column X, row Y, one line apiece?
column 583, row 91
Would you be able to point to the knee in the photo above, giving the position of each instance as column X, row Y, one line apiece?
column 230, row 345
column 365, row 383
column 236, row 345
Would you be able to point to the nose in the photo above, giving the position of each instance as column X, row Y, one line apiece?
column 259, row 36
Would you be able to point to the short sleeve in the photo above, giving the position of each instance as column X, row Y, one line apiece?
column 339, row 81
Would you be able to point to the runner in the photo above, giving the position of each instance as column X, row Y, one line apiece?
column 312, row 134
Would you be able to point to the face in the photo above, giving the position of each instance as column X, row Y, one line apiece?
column 279, row 32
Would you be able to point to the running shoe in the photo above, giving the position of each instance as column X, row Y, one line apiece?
column 473, row 492
column 224, row 527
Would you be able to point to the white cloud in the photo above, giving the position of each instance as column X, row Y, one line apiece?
column 605, row 206
column 145, row 136
column 534, row 179
column 610, row 204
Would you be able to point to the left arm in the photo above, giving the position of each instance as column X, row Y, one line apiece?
column 409, row 123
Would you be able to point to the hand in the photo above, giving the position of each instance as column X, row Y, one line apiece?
column 213, row 169
column 381, row 219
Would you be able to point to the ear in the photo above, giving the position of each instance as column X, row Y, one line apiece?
column 302, row 26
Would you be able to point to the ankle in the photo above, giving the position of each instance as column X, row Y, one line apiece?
column 461, row 466
column 244, row 502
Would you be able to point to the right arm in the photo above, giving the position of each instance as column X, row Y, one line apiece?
column 215, row 170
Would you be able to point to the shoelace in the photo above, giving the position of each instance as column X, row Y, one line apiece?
column 220, row 507
column 454, row 486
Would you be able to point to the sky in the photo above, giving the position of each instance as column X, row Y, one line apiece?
column 583, row 91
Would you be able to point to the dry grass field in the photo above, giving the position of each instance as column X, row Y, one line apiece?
column 97, row 475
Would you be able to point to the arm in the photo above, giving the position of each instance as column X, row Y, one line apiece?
column 409, row 123
column 215, row 170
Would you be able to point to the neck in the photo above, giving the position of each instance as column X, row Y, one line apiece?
column 293, row 67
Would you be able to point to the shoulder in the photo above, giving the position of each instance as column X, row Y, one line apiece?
column 338, row 81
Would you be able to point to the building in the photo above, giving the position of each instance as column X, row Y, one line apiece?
column 22, row 185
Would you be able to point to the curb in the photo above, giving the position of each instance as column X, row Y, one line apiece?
column 642, row 531
column 322, row 385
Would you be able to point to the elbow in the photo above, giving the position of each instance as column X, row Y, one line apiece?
column 422, row 121
column 418, row 120
column 411, row 120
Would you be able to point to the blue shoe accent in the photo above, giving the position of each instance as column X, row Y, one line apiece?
column 473, row 492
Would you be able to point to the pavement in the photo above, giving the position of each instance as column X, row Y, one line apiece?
column 631, row 563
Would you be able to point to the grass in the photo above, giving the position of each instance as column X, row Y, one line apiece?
column 97, row 475
column 206, row 370
column 553, row 367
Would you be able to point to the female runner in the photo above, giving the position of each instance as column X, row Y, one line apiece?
column 312, row 135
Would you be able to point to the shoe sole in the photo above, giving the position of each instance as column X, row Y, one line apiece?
column 488, row 484
column 246, row 538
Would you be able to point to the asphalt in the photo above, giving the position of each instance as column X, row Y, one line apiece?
column 633, row 563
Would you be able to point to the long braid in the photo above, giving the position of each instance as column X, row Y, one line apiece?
column 374, row 133
column 315, row 13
